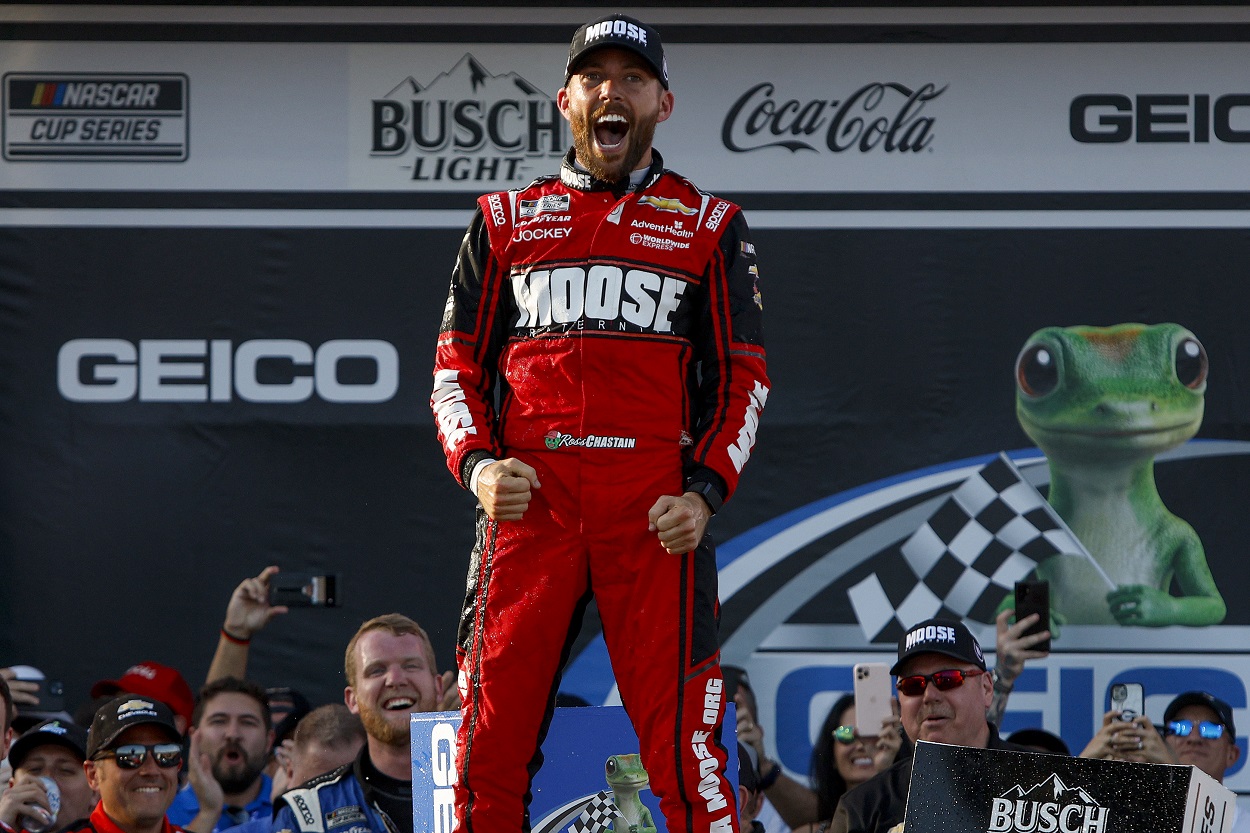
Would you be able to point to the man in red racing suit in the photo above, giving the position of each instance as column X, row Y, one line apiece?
column 599, row 379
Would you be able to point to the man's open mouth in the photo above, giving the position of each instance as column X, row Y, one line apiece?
column 610, row 131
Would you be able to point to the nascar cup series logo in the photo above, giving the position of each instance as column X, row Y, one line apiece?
column 1048, row 807
column 83, row 117
column 469, row 125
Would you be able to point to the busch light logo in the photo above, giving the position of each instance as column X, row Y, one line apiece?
column 1048, row 807
column 878, row 116
column 469, row 125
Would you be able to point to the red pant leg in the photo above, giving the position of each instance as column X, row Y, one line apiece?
column 527, row 590
column 659, row 615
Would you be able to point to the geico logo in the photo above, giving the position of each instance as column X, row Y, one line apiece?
column 608, row 293
column 195, row 370
column 540, row 234
column 1094, row 119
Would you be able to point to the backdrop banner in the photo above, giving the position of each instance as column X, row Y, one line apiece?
column 1002, row 266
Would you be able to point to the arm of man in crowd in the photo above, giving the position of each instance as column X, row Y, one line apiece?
column 206, row 788
column 1122, row 740
column 27, row 797
column 795, row 803
column 25, row 692
column 1011, row 651
column 247, row 613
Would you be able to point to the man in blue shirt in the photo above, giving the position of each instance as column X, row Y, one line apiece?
column 233, row 728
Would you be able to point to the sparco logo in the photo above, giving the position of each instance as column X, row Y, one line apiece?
column 877, row 115
column 114, row 117
column 275, row 370
column 1113, row 118
column 496, row 210
column 1049, row 807
column 305, row 812
column 468, row 124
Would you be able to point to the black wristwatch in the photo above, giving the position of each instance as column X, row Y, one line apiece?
column 709, row 492
column 766, row 781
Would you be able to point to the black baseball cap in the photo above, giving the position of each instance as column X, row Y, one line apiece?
column 748, row 768
column 735, row 678
column 1201, row 698
column 939, row 636
column 622, row 32
column 57, row 732
column 120, row 713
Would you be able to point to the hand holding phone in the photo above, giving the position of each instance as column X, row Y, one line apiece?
column 1129, row 700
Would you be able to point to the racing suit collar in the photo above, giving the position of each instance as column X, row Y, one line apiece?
column 580, row 179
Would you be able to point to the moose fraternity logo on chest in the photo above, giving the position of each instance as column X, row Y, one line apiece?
column 601, row 297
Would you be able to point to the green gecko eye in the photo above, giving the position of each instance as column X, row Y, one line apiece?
column 1037, row 373
column 1191, row 363
column 611, row 765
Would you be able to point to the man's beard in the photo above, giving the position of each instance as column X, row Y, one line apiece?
column 236, row 777
column 641, row 132
column 376, row 726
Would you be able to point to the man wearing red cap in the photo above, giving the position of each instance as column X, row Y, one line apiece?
column 151, row 679
column 599, row 378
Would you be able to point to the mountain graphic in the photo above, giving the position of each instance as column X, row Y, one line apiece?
column 468, row 79
column 1052, row 789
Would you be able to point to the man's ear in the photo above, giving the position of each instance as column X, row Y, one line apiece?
column 349, row 700
column 666, row 106
column 93, row 777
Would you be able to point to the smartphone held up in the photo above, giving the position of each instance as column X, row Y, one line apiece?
column 304, row 590
column 872, row 697
column 1034, row 597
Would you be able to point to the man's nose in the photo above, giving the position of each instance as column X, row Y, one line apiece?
column 609, row 90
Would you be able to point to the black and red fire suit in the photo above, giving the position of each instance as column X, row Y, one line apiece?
column 611, row 340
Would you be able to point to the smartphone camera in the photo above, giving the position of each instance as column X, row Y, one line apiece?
column 304, row 590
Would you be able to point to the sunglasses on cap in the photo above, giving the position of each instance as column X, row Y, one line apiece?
column 1206, row 729
column 914, row 685
column 132, row 755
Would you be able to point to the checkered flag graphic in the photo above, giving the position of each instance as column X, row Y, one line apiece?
column 598, row 816
column 964, row 560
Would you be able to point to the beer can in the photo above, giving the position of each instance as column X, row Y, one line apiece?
column 34, row 824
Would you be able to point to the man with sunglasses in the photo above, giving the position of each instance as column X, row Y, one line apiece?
column 134, row 752
column 943, row 692
column 1199, row 730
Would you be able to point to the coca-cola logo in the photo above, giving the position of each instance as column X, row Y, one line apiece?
column 881, row 115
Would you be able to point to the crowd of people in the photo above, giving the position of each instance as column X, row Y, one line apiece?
column 156, row 759
column 147, row 755
column 947, row 694
column 557, row 305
